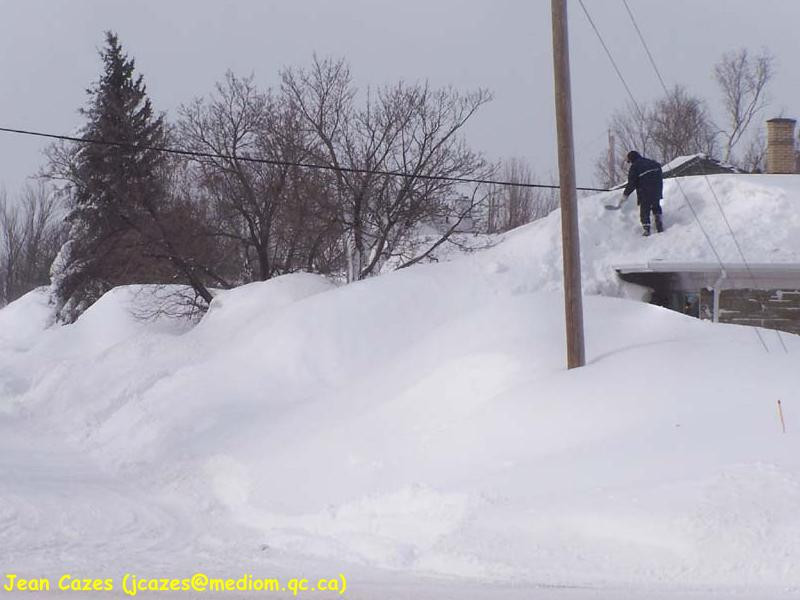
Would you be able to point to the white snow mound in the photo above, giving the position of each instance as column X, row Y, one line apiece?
column 424, row 420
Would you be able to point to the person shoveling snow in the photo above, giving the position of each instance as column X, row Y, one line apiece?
column 644, row 176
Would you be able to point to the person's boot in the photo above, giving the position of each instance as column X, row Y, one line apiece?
column 659, row 224
column 645, row 230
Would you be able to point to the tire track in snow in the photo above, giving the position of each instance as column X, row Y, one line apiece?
column 58, row 510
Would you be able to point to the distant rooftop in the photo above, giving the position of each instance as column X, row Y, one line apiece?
column 697, row 164
column 694, row 164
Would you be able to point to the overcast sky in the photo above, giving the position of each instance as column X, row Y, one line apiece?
column 48, row 57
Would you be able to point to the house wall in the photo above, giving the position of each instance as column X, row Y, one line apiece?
column 775, row 307
column 771, row 309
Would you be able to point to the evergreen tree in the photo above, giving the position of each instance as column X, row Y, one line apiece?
column 112, row 189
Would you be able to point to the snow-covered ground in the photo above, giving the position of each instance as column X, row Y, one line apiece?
column 418, row 431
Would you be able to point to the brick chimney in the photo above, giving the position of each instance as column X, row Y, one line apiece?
column 781, row 153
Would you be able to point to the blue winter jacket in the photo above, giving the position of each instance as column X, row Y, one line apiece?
column 646, row 178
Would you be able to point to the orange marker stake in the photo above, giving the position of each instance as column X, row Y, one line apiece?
column 780, row 414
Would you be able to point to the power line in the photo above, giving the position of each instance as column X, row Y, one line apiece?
column 636, row 104
column 738, row 247
column 283, row 163
column 642, row 115
column 633, row 99
column 646, row 47
column 705, row 175
column 611, row 58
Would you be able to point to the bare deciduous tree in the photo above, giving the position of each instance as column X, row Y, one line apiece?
column 10, row 249
column 407, row 128
column 273, row 211
column 512, row 206
column 31, row 233
column 632, row 128
column 681, row 126
column 754, row 158
column 313, row 177
column 742, row 79
column 677, row 124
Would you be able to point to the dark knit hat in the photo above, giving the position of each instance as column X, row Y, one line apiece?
column 633, row 155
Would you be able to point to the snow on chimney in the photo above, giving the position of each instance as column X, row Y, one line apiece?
column 781, row 154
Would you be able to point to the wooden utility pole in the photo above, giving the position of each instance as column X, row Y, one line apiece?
column 576, row 354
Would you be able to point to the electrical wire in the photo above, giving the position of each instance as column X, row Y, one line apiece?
column 705, row 175
column 611, row 58
column 642, row 116
column 641, row 113
column 282, row 163
column 646, row 48
column 686, row 200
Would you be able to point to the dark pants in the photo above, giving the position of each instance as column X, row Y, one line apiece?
column 646, row 206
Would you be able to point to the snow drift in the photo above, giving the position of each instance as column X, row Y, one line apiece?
column 423, row 421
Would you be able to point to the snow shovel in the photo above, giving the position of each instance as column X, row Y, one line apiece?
column 616, row 206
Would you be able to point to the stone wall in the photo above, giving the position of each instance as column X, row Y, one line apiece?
column 772, row 309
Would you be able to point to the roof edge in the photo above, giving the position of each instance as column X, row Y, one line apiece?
column 705, row 267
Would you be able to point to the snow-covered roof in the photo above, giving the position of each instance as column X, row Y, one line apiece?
column 763, row 211
column 679, row 161
column 696, row 164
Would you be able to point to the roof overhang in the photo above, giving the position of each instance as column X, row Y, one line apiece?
column 695, row 275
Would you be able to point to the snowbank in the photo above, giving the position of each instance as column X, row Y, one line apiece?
column 423, row 420
column 23, row 321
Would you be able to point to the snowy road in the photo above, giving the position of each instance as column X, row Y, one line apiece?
column 57, row 508
column 60, row 513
